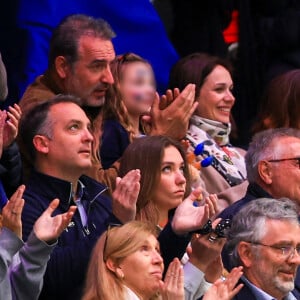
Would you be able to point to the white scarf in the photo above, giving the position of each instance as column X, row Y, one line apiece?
column 215, row 136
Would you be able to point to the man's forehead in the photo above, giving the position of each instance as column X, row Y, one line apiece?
column 287, row 145
column 68, row 111
column 280, row 230
column 95, row 46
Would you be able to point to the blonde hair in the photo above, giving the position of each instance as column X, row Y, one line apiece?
column 115, row 244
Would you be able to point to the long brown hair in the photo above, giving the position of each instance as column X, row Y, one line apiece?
column 146, row 154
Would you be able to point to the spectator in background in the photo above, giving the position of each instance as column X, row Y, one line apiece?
column 210, row 127
column 136, row 23
column 280, row 103
column 81, row 50
column 127, row 99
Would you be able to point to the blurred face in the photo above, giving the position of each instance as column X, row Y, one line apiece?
column 270, row 270
column 137, row 87
column 285, row 175
column 69, row 148
column 143, row 269
column 91, row 75
column 215, row 98
column 171, row 187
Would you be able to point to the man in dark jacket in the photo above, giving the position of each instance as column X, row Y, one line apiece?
column 265, row 239
column 273, row 171
column 58, row 136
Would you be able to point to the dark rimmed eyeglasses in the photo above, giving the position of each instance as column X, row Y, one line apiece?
column 284, row 159
column 286, row 251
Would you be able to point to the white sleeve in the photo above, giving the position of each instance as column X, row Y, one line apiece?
column 194, row 283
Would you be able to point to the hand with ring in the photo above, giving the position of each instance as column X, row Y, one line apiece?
column 204, row 249
column 12, row 211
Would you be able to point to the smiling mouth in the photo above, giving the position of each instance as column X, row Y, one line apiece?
column 227, row 110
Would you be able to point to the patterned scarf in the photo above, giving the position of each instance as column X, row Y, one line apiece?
column 215, row 137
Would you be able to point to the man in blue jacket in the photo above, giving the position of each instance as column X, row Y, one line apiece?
column 58, row 137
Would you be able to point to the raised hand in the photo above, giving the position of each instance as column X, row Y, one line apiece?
column 170, row 115
column 11, row 125
column 204, row 254
column 173, row 286
column 190, row 217
column 225, row 289
column 48, row 228
column 11, row 212
column 125, row 196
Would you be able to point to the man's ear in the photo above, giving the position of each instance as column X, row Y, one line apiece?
column 41, row 143
column 245, row 254
column 61, row 66
column 265, row 171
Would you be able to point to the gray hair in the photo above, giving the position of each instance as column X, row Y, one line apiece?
column 261, row 148
column 249, row 223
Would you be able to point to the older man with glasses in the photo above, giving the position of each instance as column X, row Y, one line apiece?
column 273, row 170
column 273, row 167
column 265, row 239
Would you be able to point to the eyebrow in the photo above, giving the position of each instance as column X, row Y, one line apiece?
column 78, row 122
column 171, row 163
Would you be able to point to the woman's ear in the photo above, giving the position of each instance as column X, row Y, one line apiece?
column 41, row 143
column 110, row 265
column 115, row 269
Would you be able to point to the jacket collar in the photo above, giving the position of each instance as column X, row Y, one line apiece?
column 257, row 191
column 53, row 187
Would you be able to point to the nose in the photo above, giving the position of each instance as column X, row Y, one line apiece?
column 156, row 258
column 107, row 76
column 180, row 179
column 88, row 135
column 229, row 96
column 294, row 257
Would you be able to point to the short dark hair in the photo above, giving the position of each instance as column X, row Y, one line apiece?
column 36, row 121
column 65, row 37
